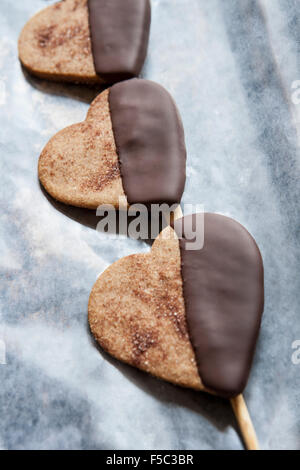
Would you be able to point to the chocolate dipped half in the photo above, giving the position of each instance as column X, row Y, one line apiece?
column 87, row 41
column 130, row 146
column 223, row 288
column 119, row 35
column 191, row 317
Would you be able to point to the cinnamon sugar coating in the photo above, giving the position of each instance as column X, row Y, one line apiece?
column 79, row 165
column 55, row 43
column 137, row 314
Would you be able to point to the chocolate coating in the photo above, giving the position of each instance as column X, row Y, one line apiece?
column 119, row 34
column 150, row 142
column 223, row 287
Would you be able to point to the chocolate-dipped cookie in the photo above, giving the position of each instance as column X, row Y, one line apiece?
column 87, row 41
column 131, row 144
column 189, row 317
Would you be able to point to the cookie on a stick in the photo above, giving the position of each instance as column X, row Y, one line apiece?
column 131, row 146
column 189, row 316
column 87, row 41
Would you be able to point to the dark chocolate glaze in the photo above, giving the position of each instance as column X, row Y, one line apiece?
column 223, row 287
column 119, row 34
column 150, row 142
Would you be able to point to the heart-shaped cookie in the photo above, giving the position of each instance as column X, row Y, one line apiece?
column 188, row 317
column 131, row 144
column 88, row 41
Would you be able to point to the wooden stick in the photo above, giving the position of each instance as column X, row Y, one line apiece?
column 177, row 214
column 238, row 404
column 244, row 421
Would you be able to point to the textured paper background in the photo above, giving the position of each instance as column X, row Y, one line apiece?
column 230, row 66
